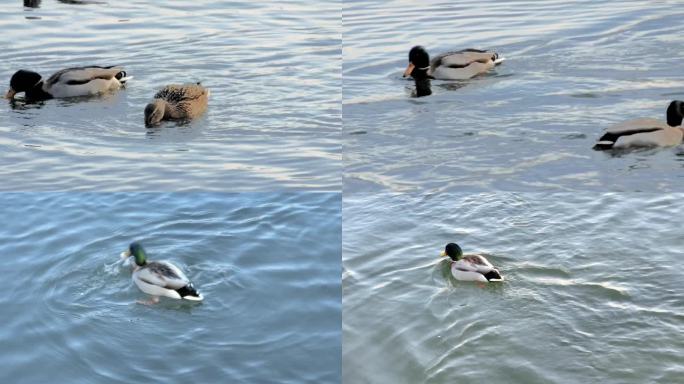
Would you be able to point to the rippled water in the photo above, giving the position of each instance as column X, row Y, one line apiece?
column 573, row 69
column 267, row 264
column 274, row 117
column 593, row 291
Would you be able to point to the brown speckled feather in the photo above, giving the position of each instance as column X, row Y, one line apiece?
column 83, row 74
column 185, row 101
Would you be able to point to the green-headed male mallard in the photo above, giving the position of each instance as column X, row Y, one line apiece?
column 159, row 278
column 177, row 102
column 70, row 82
column 470, row 267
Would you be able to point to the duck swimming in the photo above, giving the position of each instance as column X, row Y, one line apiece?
column 70, row 82
column 470, row 267
column 177, row 102
column 646, row 132
column 457, row 65
column 159, row 278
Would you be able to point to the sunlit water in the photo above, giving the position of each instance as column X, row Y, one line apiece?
column 573, row 68
column 268, row 266
column 274, row 117
column 593, row 290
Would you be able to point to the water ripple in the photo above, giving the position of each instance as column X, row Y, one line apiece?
column 274, row 119
column 592, row 281
column 573, row 69
column 267, row 264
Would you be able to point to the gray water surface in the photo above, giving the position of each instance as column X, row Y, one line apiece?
column 274, row 117
column 593, row 289
column 573, row 69
column 268, row 266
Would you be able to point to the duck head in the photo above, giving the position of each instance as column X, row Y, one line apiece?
column 453, row 251
column 675, row 113
column 136, row 250
column 154, row 112
column 23, row 81
column 419, row 62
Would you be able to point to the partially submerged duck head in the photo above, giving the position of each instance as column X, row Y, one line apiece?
column 419, row 63
column 137, row 251
column 675, row 113
column 453, row 251
column 23, row 81
column 154, row 112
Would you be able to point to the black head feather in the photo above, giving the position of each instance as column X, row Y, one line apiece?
column 419, row 57
column 453, row 251
column 23, row 80
column 675, row 113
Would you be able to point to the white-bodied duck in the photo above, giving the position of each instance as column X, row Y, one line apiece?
column 70, row 82
column 159, row 278
column 470, row 267
column 457, row 65
column 646, row 132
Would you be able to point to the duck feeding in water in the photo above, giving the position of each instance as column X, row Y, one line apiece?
column 70, row 82
column 456, row 65
column 177, row 102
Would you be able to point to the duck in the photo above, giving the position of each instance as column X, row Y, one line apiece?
column 646, row 132
column 177, row 102
column 470, row 267
column 70, row 82
column 456, row 65
column 159, row 278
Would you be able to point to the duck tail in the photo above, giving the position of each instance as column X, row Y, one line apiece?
column 603, row 145
column 493, row 275
column 123, row 77
column 189, row 293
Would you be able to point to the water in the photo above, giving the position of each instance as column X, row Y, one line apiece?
column 268, row 266
column 592, row 293
column 573, row 69
column 274, row 117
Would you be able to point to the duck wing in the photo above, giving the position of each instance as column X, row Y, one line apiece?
column 633, row 132
column 177, row 93
column 477, row 263
column 462, row 58
column 163, row 274
column 83, row 75
column 483, row 266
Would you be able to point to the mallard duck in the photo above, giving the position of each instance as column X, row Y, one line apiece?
column 159, row 278
column 177, row 102
column 646, row 132
column 458, row 65
column 70, row 82
column 470, row 267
